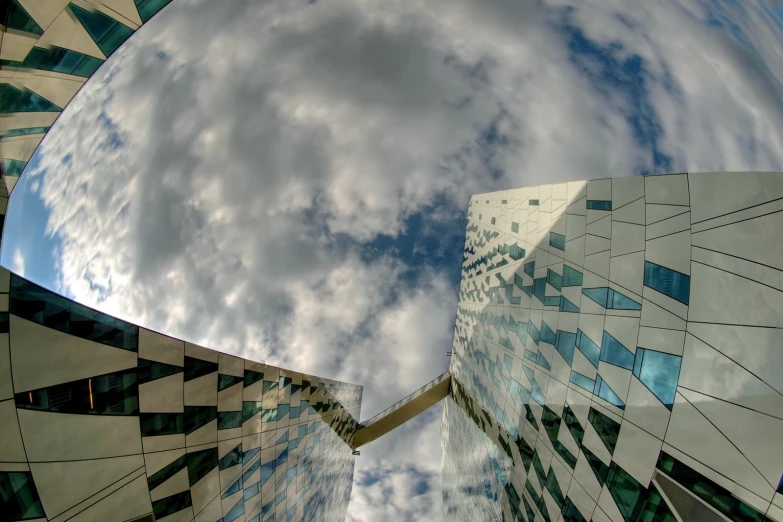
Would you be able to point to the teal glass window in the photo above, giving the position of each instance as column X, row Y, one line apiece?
column 552, row 300
column 170, row 505
column 597, row 204
column 162, row 475
column 200, row 463
column 109, row 394
column 530, row 268
column 588, row 347
column 227, row 381
column 107, row 33
column 599, row 295
column 13, row 167
column 232, row 458
column 19, row 19
column 252, row 377
column 161, row 424
column 24, row 132
column 269, row 386
column 608, row 430
column 660, row 372
column 236, row 486
column 19, row 497
column 655, row 509
column 198, row 416
column 557, row 241
column 554, row 279
column 229, row 419
column 571, row 514
column 195, row 368
column 533, row 202
column 534, row 333
column 269, row 415
column 531, row 515
column 148, row 8
column 516, row 252
column 606, row 393
column 39, row 305
column 576, row 429
column 583, row 382
column 10, row 64
column 528, row 290
column 515, row 227
column 571, row 277
column 547, row 335
column 15, row 100
column 613, row 352
column 537, row 394
column 63, row 61
column 554, row 489
column 565, row 343
column 600, row 470
column 568, row 306
column 249, row 454
column 493, row 221
column 152, row 370
column 707, row 490
column 667, row 281
column 539, row 289
column 250, row 408
column 626, row 491
column 531, row 356
column 251, row 491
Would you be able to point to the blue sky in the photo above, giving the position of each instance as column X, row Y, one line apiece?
column 288, row 181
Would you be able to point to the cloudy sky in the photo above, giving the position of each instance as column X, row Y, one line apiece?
column 287, row 181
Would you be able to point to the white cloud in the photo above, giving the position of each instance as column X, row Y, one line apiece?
column 216, row 178
column 17, row 262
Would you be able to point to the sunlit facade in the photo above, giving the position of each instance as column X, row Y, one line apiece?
column 619, row 343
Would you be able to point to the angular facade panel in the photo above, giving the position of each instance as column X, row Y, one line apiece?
column 638, row 382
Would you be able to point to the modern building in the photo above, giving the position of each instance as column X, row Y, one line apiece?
column 618, row 353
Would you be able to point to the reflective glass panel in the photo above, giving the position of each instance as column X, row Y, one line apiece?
column 557, row 240
column 19, row 497
column 660, row 372
column 667, row 281
column 613, row 352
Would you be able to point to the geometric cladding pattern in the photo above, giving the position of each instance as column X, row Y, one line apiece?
column 617, row 352
column 103, row 420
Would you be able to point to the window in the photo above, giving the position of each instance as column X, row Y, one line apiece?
column 249, row 454
column 554, row 489
column 107, row 33
column 4, row 319
column 533, row 331
column 15, row 100
column 19, row 497
column 503, row 202
column 537, row 394
column 568, row 306
column 493, row 221
column 611, row 299
column 557, row 241
column 236, row 486
column 39, row 305
column 626, row 491
column 198, row 416
column 161, row 424
column 148, row 8
column 573, row 424
column 668, row 282
column 24, row 132
column 227, row 381
column 543, row 362
column 531, row 356
column 547, row 335
column 606, row 393
column 252, row 377
column 588, row 347
column 597, row 204
column 606, row 428
column 269, row 386
column 60, row 60
column 571, row 513
column 200, row 463
column 515, row 227
column 533, row 202
column 170, row 505
column 539, row 289
column 707, row 490
column 20, row 20
column 613, row 352
column 195, row 368
column 660, row 372
column 229, row 419
column 153, row 370
column 554, row 279
column 565, row 342
column 250, row 408
column 108, row 394
column 232, row 458
column 571, row 277
column 530, row 268
column 13, row 167
column 583, row 382
column 162, row 475
column 516, row 252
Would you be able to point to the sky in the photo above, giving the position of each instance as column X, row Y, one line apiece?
column 288, row 181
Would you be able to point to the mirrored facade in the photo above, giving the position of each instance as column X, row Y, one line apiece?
column 104, row 420
column 618, row 351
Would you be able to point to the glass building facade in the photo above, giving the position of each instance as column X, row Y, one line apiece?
column 625, row 363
